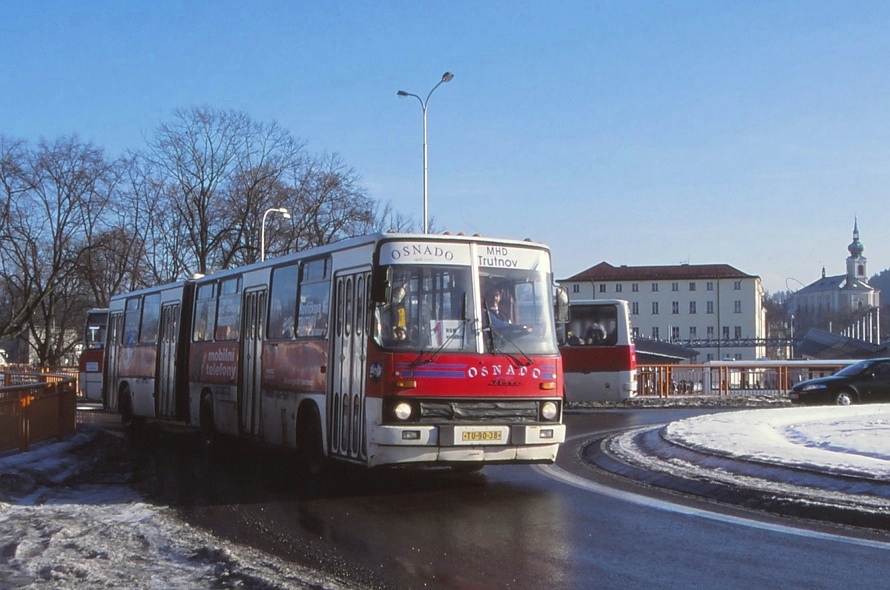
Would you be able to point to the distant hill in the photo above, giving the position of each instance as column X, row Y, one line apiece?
column 881, row 281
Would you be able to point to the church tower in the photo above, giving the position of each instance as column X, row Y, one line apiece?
column 857, row 264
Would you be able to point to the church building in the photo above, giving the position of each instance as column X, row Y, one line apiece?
column 837, row 299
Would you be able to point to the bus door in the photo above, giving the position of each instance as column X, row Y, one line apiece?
column 250, row 398
column 165, row 400
column 112, row 346
column 346, row 395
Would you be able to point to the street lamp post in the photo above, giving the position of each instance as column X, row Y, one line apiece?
column 284, row 213
column 446, row 77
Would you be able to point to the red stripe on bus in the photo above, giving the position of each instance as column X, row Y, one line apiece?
column 590, row 359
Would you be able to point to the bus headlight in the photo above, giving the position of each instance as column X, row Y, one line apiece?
column 549, row 410
column 402, row 411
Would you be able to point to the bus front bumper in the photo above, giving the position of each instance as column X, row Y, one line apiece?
column 522, row 443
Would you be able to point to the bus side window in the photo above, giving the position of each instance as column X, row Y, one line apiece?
column 283, row 303
column 132, row 315
column 314, row 299
column 228, row 320
column 205, row 313
column 151, row 309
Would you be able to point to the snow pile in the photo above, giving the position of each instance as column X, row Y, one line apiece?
column 65, row 521
column 851, row 441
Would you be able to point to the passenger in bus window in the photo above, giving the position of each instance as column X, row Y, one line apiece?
column 398, row 315
column 596, row 334
column 573, row 339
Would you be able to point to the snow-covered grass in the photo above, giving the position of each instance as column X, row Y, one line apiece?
column 850, row 441
column 70, row 519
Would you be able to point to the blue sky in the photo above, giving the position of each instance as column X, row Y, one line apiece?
column 748, row 133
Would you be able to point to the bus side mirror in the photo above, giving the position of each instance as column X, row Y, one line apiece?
column 562, row 304
column 381, row 285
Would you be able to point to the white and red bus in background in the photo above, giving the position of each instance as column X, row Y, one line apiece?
column 90, row 363
column 598, row 355
column 385, row 349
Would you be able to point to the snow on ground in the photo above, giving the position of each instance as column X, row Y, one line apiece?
column 852, row 440
column 66, row 522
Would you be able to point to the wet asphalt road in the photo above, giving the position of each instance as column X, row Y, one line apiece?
column 569, row 526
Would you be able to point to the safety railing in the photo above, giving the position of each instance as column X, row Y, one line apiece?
column 731, row 377
column 36, row 407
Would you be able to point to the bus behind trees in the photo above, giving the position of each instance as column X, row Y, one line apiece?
column 598, row 353
column 388, row 349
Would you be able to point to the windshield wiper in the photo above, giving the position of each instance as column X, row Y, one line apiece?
column 421, row 360
column 504, row 332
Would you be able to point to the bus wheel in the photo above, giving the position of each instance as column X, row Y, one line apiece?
column 310, row 448
column 132, row 424
column 208, row 426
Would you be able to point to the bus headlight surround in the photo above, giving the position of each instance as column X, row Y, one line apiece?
column 549, row 410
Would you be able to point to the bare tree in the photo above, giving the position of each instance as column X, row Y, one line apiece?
column 257, row 185
column 197, row 154
column 328, row 204
column 55, row 197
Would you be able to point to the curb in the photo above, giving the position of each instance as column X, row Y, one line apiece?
column 651, row 468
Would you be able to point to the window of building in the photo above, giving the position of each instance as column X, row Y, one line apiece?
column 709, row 307
column 618, row 287
column 654, row 287
column 692, row 333
column 602, row 288
column 737, row 306
column 635, row 332
column 692, row 307
column 655, row 333
column 635, row 308
column 675, row 307
column 654, row 308
column 726, row 332
column 738, row 332
column 576, row 288
column 675, row 333
column 737, row 285
column 635, row 287
column 692, row 286
column 675, row 286
column 710, row 332
column 709, row 285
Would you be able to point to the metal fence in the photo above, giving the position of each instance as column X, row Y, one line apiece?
column 36, row 407
column 731, row 377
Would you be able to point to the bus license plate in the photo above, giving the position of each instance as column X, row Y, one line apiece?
column 484, row 436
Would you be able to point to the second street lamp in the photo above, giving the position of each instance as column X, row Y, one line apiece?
column 284, row 213
column 446, row 77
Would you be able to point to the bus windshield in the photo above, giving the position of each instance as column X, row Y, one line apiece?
column 437, row 308
column 517, row 311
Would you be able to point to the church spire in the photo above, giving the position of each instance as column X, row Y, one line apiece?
column 855, row 248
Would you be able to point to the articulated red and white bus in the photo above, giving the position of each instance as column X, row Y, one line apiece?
column 386, row 349
column 598, row 355
column 90, row 363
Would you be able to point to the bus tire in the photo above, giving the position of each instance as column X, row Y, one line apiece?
column 310, row 447
column 209, row 434
column 125, row 407
column 133, row 424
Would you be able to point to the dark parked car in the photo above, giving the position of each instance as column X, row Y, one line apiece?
column 865, row 381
